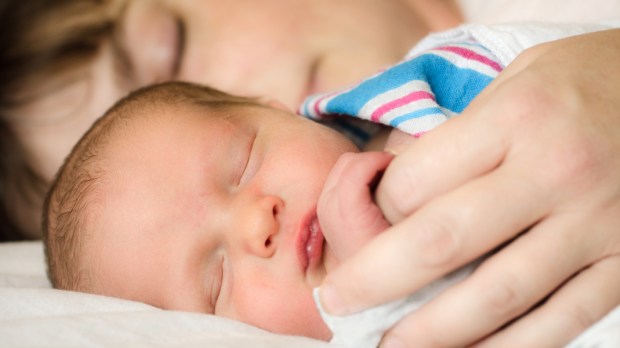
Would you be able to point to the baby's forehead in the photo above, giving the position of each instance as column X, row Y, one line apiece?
column 144, row 123
column 163, row 111
column 176, row 101
column 160, row 132
column 145, row 118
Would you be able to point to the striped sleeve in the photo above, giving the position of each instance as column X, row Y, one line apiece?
column 417, row 94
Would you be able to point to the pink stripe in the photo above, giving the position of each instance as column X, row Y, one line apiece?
column 411, row 97
column 316, row 107
column 469, row 54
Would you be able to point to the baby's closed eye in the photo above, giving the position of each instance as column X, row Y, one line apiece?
column 214, row 282
column 247, row 166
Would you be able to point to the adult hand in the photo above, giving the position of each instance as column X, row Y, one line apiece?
column 534, row 162
column 346, row 209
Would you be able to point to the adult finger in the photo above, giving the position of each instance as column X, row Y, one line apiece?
column 442, row 160
column 505, row 286
column 575, row 307
column 466, row 146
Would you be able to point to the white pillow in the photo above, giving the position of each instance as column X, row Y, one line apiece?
column 33, row 314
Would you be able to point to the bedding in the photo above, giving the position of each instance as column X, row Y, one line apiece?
column 34, row 314
column 502, row 11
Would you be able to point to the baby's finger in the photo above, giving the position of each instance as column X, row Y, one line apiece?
column 347, row 213
column 442, row 236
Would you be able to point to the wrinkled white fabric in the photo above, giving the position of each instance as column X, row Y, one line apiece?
column 365, row 329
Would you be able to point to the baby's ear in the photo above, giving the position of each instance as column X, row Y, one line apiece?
column 276, row 104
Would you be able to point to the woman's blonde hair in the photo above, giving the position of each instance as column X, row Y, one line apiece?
column 40, row 41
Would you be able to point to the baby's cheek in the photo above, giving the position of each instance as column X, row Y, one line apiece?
column 280, row 309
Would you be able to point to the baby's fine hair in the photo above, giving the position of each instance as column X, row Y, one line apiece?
column 73, row 196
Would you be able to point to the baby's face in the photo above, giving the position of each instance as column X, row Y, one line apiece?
column 215, row 212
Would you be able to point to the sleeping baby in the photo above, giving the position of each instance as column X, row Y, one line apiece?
column 188, row 198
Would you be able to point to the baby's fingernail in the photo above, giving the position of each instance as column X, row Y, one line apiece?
column 391, row 151
column 396, row 149
column 331, row 301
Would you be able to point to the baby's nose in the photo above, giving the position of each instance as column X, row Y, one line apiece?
column 260, row 225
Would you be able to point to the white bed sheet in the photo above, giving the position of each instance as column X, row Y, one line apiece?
column 572, row 11
column 33, row 314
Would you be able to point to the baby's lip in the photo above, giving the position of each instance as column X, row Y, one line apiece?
column 309, row 243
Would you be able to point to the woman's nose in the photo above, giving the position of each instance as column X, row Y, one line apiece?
column 260, row 225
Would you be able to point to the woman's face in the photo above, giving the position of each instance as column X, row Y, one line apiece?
column 283, row 49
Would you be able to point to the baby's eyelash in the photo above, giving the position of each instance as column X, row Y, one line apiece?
column 247, row 160
column 217, row 284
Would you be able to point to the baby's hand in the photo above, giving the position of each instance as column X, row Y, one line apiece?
column 346, row 209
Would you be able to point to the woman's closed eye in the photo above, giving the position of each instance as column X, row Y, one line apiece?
column 151, row 42
column 177, row 61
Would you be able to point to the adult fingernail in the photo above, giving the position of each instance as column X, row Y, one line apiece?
column 392, row 342
column 331, row 301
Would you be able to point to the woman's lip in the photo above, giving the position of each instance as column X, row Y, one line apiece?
column 309, row 243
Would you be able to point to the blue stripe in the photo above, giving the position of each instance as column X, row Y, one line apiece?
column 454, row 87
column 415, row 114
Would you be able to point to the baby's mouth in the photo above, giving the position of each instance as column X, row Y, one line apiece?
column 314, row 245
column 311, row 245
